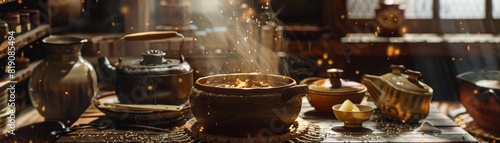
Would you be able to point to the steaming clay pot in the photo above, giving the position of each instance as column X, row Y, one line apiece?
column 246, row 112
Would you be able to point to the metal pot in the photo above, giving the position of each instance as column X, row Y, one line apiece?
column 152, row 80
column 480, row 95
column 324, row 93
column 246, row 112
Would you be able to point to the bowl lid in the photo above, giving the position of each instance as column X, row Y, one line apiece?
column 406, row 82
column 154, row 63
column 335, row 85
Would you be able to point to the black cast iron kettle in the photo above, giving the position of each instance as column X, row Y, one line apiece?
column 152, row 79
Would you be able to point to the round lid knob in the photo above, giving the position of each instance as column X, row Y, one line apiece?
column 413, row 75
column 396, row 69
column 334, row 85
column 335, row 75
column 152, row 57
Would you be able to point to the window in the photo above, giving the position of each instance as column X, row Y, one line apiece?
column 462, row 9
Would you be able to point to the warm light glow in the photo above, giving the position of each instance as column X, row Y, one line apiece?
column 66, row 93
column 357, row 72
column 124, row 10
column 43, row 108
column 180, row 80
column 468, row 48
column 475, row 91
column 330, row 62
column 113, row 23
column 325, row 56
column 319, row 62
column 393, row 51
column 403, row 30
column 20, row 1
column 150, row 87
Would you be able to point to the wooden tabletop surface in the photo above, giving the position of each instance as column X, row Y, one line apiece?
column 375, row 130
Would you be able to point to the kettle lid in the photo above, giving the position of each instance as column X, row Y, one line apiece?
column 407, row 82
column 335, row 85
column 154, row 63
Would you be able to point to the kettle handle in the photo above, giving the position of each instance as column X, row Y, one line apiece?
column 151, row 35
column 156, row 35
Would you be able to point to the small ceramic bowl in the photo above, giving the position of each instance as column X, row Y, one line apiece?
column 353, row 119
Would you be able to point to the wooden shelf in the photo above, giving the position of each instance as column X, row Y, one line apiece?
column 20, row 75
column 26, row 38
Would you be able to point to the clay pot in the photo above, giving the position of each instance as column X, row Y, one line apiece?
column 326, row 92
column 479, row 93
column 246, row 112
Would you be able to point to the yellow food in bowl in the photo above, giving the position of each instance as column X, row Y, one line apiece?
column 349, row 106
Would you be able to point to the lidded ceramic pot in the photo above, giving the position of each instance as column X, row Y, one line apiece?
column 324, row 93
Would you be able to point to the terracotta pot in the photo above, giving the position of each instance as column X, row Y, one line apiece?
column 246, row 112
column 324, row 93
column 479, row 94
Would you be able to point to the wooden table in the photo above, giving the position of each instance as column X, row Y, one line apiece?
column 376, row 130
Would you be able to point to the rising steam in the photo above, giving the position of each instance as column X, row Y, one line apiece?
column 240, row 34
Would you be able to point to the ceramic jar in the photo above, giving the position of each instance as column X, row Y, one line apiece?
column 63, row 84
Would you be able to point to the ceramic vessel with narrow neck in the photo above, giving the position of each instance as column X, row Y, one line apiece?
column 63, row 84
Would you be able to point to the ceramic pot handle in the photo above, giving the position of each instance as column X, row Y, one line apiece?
column 299, row 90
column 485, row 93
column 310, row 80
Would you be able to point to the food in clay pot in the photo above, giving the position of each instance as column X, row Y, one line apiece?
column 246, row 104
